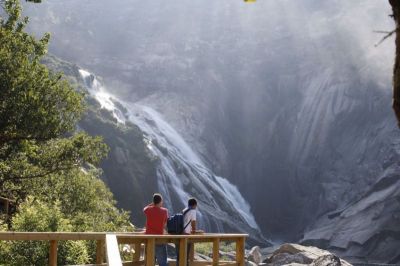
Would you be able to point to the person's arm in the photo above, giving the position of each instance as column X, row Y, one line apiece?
column 145, row 208
column 193, row 222
column 165, row 223
column 193, row 227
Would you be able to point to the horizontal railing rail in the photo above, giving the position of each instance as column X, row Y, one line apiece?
column 107, row 248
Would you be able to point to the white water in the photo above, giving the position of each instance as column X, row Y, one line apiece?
column 181, row 173
column 101, row 95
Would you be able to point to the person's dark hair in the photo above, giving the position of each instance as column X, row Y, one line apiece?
column 192, row 202
column 157, row 198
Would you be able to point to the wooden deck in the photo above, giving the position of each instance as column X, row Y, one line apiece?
column 108, row 252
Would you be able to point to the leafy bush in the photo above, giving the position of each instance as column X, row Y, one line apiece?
column 38, row 216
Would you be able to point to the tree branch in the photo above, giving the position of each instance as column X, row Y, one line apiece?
column 41, row 174
column 388, row 34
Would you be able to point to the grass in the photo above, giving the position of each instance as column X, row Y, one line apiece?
column 206, row 249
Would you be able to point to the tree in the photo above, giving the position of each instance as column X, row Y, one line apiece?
column 84, row 200
column 38, row 111
column 396, row 69
column 45, row 163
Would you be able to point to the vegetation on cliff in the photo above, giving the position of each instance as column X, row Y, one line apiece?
column 46, row 165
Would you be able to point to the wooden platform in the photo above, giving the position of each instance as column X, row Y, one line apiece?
column 108, row 251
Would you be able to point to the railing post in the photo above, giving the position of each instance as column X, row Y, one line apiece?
column 240, row 251
column 183, row 251
column 215, row 255
column 191, row 253
column 99, row 251
column 53, row 253
column 150, row 252
column 136, row 256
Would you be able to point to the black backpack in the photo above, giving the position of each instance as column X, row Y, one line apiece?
column 175, row 223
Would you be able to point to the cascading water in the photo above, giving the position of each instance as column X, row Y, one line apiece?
column 181, row 173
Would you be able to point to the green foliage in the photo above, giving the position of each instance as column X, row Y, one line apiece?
column 84, row 199
column 34, row 160
column 71, row 202
column 38, row 109
column 45, row 164
column 36, row 215
column 35, row 104
column 206, row 249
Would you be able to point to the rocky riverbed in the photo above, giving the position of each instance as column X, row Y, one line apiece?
column 286, row 254
column 294, row 254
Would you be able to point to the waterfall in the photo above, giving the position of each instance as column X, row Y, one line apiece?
column 181, row 173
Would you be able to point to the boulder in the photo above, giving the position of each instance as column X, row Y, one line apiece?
column 294, row 254
column 250, row 263
column 255, row 255
column 327, row 260
column 286, row 258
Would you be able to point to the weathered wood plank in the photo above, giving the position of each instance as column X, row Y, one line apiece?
column 53, row 253
column 215, row 255
column 101, row 235
column 134, row 263
column 137, row 248
column 240, row 246
column 100, row 251
column 136, row 239
column 150, row 252
column 113, row 256
column 183, row 251
column 47, row 236
column 195, row 236
column 191, row 253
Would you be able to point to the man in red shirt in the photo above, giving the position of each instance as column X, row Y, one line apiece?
column 156, row 219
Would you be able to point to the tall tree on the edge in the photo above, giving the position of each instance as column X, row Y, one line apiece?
column 396, row 71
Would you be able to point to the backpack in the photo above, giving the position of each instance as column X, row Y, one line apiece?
column 175, row 223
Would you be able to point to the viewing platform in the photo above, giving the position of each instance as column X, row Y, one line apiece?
column 108, row 249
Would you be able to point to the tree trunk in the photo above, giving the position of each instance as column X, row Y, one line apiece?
column 396, row 71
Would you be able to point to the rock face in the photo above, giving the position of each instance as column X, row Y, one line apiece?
column 129, row 169
column 368, row 228
column 288, row 100
column 293, row 254
column 181, row 173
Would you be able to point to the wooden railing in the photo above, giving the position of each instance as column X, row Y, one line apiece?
column 108, row 246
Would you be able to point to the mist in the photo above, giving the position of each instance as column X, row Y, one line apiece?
column 128, row 41
column 282, row 98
